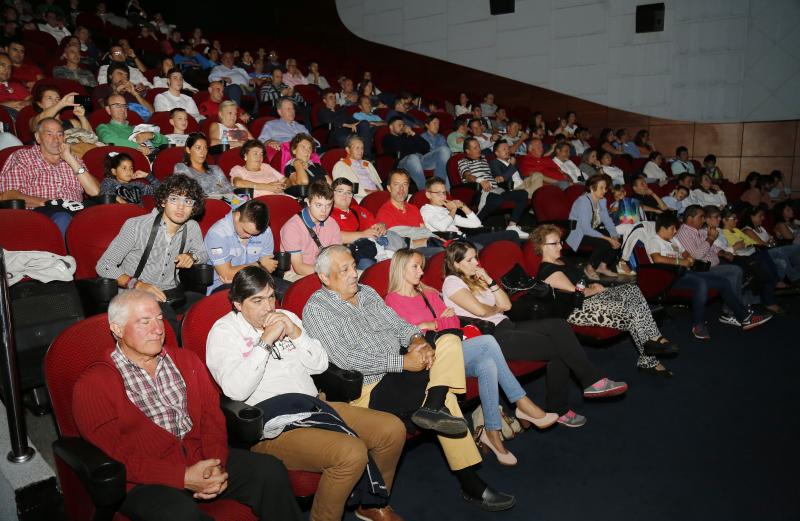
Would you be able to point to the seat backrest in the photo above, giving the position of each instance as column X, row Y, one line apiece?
column 215, row 210
column 258, row 124
column 281, row 209
column 100, row 116
column 94, row 158
column 378, row 139
column 531, row 259
column 6, row 152
column 166, row 160
column 434, row 271
column 499, row 257
column 310, row 93
column 296, row 295
column 152, row 93
column 331, row 157
column 75, row 349
column 573, row 192
column 199, row 320
column 161, row 119
column 22, row 125
column 377, row 277
column 229, row 159
column 22, row 230
column 374, row 200
column 419, row 199
column 550, row 204
column 92, row 230
column 452, row 169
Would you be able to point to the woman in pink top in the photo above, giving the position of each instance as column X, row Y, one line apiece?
column 420, row 305
column 256, row 174
column 471, row 292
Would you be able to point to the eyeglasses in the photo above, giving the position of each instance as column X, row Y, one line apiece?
column 345, row 193
column 558, row 243
column 119, row 105
column 438, row 193
column 176, row 200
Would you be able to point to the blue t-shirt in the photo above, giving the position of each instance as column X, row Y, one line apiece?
column 223, row 245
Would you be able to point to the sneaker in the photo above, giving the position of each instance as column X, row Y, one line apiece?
column 440, row 421
column 572, row 419
column 605, row 387
column 377, row 514
column 701, row 332
column 515, row 228
column 752, row 320
column 727, row 318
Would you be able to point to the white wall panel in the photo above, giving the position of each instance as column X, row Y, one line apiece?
column 716, row 60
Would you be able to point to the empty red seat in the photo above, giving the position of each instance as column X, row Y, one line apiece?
column 215, row 210
column 377, row 277
column 296, row 295
column 281, row 209
column 375, row 200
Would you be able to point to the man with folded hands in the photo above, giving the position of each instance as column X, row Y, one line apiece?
column 263, row 356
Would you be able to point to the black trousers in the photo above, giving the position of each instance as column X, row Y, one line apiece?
column 400, row 394
column 259, row 481
column 551, row 340
column 493, row 201
column 171, row 313
column 601, row 252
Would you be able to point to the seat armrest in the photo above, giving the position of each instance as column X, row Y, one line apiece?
column 103, row 477
column 339, row 385
column 245, row 423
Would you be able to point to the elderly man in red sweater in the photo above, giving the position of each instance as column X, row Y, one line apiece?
column 155, row 410
column 535, row 162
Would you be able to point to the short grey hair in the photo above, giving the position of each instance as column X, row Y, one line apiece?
column 119, row 308
column 322, row 266
column 351, row 138
column 283, row 101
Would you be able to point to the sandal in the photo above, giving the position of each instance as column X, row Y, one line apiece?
column 661, row 346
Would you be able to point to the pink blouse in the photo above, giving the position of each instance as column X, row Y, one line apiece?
column 414, row 311
column 267, row 174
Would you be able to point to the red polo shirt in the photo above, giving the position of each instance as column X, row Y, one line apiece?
column 391, row 216
column 14, row 91
column 528, row 164
column 25, row 73
column 357, row 219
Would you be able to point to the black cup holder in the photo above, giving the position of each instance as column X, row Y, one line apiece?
column 299, row 192
column 244, row 192
column 106, row 471
column 284, row 260
column 250, row 413
column 12, row 204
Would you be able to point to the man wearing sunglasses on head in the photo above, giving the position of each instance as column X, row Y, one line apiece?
column 149, row 250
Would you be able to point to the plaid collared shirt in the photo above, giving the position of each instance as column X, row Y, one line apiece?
column 163, row 398
column 28, row 172
column 365, row 337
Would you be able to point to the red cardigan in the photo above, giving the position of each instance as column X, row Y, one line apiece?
column 151, row 455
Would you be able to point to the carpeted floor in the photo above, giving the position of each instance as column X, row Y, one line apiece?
column 719, row 441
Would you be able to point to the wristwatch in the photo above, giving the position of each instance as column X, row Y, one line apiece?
column 264, row 345
column 131, row 283
column 80, row 171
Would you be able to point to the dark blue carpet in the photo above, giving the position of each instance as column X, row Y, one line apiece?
column 719, row 441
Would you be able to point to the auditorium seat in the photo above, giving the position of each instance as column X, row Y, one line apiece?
column 377, row 277
column 95, row 157
column 281, row 209
column 375, row 200
column 215, row 209
column 298, row 293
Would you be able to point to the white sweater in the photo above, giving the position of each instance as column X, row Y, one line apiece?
column 437, row 219
column 246, row 373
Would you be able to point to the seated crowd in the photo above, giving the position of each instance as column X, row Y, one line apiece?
column 414, row 344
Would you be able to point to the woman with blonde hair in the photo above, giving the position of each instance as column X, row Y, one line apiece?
column 227, row 128
column 422, row 306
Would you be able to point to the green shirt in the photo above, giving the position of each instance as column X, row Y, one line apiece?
column 115, row 133
column 456, row 147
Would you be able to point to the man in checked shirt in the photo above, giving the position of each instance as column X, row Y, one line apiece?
column 155, row 410
column 403, row 374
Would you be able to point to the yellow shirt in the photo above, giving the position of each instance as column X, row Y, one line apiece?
column 735, row 235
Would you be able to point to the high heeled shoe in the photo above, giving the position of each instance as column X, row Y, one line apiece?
column 507, row 459
column 544, row 422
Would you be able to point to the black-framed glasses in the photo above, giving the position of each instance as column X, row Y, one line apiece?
column 558, row 243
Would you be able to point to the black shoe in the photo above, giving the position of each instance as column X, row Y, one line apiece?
column 665, row 373
column 440, row 421
column 491, row 500
column 656, row 348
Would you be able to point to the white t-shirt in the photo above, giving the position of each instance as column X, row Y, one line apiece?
column 569, row 168
column 656, row 244
column 453, row 284
column 165, row 102
column 248, row 373
column 653, row 171
column 438, row 219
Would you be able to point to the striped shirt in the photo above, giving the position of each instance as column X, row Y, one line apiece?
column 161, row 398
column 478, row 168
column 125, row 251
column 365, row 337
column 28, row 172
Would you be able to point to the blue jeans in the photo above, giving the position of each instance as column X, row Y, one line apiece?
column 787, row 260
column 416, row 164
column 62, row 220
column 234, row 93
column 699, row 283
column 484, row 360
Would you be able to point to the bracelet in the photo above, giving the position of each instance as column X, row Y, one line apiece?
column 493, row 284
column 495, row 290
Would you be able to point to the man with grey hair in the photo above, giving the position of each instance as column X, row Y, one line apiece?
column 278, row 131
column 47, row 176
column 401, row 369
column 159, row 416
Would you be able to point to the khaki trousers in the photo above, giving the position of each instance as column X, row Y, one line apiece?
column 532, row 183
column 340, row 458
column 447, row 370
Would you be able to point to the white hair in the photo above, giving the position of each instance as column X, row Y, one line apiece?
column 322, row 266
column 119, row 308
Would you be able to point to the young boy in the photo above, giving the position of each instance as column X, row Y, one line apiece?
column 179, row 119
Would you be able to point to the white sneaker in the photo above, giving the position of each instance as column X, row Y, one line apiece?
column 515, row 228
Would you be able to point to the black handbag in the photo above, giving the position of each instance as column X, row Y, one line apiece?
column 486, row 327
column 517, row 281
column 363, row 249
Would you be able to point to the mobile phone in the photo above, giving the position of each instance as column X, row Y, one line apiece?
column 83, row 100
